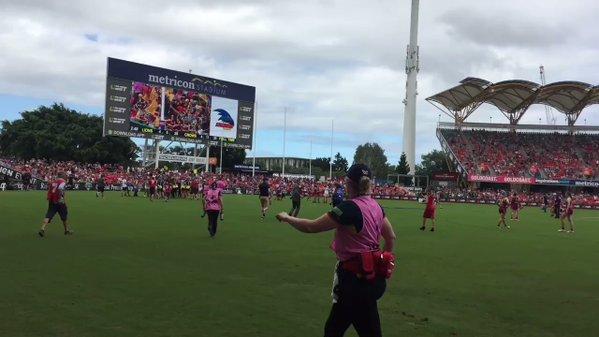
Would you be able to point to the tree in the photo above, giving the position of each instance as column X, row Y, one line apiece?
column 403, row 168
column 432, row 162
column 322, row 163
column 374, row 156
column 340, row 164
column 231, row 156
column 59, row 133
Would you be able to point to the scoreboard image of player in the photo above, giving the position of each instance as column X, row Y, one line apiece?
column 151, row 102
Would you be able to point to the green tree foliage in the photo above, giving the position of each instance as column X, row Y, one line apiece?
column 403, row 168
column 231, row 156
column 432, row 162
column 374, row 156
column 340, row 164
column 58, row 133
column 322, row 163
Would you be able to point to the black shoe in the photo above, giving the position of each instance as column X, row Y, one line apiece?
column 433, row 229
column 422, row 228
column 41, row 233
column 68, row 232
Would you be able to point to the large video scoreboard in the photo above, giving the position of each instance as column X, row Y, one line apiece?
column 157, row 103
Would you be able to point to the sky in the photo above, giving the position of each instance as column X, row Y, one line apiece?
column 319, row 60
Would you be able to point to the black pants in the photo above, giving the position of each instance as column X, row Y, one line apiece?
column 295, row 208
column 356, row 305
column 212, row 221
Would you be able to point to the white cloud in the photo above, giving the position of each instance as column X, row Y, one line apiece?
column 322, row 59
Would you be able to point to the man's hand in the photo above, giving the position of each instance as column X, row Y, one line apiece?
column 283, row 216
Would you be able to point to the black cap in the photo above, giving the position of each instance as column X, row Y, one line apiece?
column 358, row 171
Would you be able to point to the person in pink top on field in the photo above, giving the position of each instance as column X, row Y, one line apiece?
column 213, row 206
column 362, row 268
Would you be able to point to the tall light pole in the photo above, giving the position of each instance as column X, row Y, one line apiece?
column 255, row 140
column 310, row 161
column 331, row 156
column 284, row 138
column 409, row 120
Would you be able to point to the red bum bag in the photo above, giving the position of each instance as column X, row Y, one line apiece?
column 370, row 265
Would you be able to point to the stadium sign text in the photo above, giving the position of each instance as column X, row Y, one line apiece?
column 182, row 159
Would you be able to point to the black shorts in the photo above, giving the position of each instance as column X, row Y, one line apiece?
column 54, row 208
column 101, row 188
column 152, row 190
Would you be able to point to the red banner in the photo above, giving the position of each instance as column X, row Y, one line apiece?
column 502, row 179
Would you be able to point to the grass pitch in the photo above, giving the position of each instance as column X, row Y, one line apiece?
column 135, row 268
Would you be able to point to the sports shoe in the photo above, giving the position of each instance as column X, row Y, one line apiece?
column 422, row 228
column 433, row 229
column 41, row 233
column 561, row 230
column 69, row 232
column 508, row 227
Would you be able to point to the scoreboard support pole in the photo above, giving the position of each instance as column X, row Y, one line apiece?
column 195, row 154
column 157, row 145
column 220, row 161
column 144, row 153
column 207, row 155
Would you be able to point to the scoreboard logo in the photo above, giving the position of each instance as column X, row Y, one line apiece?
column 225, row 121
column 223, row 118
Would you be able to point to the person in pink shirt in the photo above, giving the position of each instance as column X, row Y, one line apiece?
column 362, row 268
column 213, row 206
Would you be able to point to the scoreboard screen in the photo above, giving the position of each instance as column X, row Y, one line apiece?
column 157, row 103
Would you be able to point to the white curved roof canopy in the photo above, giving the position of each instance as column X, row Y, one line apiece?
column 514, row 97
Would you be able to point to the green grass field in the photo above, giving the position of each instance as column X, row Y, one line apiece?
column 135, row 268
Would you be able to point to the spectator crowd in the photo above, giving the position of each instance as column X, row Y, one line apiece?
column 526, row 154
column 179, row 182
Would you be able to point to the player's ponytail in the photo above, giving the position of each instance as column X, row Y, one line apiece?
column 364, row 186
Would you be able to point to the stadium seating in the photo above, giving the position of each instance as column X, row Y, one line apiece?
column 526, row 154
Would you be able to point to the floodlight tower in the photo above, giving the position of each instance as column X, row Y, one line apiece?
column 548, row 111
column 409, row 118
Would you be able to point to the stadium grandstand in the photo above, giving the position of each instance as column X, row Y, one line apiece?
column 517, row 154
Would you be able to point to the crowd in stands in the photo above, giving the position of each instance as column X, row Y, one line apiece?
column 185, row 111
column 137, row 178
column 526, row 154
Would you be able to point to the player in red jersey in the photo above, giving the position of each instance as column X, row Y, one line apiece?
column 504, row 203
column 168, row 190
column 195, row 188
column 567, row 214
column 153, row 183
column 515, row 206
column 429, row 211
column 56, row 204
